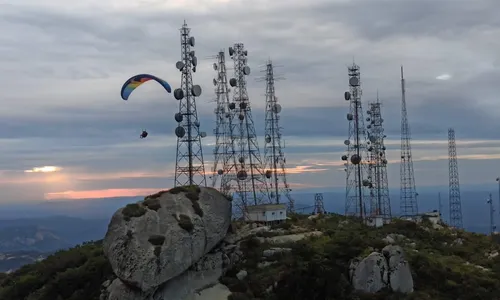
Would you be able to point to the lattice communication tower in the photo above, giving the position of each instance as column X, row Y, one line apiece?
column 319, row 207
column 408, row 194
column 223, row 171
column 274, row 157
column 454, row 196
column 356, row 159
column 189, row 166
column 493, row 227
column 252, row 185
column 380, row 204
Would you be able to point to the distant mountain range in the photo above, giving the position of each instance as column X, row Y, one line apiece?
column 31, row 231
column 11, row 261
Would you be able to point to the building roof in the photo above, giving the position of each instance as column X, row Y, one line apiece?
column 266, row 207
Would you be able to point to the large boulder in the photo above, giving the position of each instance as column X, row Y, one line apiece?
column 369, row 275
column 155, row 240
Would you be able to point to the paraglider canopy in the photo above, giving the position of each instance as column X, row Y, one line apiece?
column 132, row 83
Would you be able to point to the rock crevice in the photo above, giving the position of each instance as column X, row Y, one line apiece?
column 377, row 271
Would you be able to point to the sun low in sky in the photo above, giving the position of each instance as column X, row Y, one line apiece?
column 44, row 169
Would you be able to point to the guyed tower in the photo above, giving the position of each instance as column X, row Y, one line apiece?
column 275, row 160
column 408, row 194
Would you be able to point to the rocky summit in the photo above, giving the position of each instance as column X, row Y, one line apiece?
column 182, row 245
column 157, row 240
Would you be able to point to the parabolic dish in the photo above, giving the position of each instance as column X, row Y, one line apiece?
column 196, row 90
column 215, row 81
column 353, row 81
column 179, row 65
column 246, row 70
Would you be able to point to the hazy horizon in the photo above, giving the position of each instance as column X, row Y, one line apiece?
column 66, row 134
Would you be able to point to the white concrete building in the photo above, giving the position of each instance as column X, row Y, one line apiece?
column 374, row 221
column 266, row 213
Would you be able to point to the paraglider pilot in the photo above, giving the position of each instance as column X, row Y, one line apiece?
column 144, row 134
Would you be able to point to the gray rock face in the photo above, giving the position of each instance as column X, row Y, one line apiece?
column 380, row 270
column 190, row 285
column 147, row 250
column 400, row 278
column 370, row 274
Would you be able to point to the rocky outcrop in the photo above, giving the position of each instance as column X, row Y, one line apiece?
column 161, row 245
column 380, row 270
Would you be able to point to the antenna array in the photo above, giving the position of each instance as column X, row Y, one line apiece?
column 380, row 204
column 408, row 194
column 356, row 159
column 225, row 161
column 318, row 204
column 189, row 161
column 252, row 186
column 273, row 151
column 454, row 196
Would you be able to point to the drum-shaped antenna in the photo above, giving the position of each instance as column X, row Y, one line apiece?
column 196, row 90
column 178, row 94
column 180, row 132
column 192, row 41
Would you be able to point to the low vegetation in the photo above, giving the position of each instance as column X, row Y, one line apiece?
column 133, row 210
column 152, row 203
column 446, row 264
column 75, row 274
column 185, row 222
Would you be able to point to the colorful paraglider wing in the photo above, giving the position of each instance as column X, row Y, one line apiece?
column 135, row 81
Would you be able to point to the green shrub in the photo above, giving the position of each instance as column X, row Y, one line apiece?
column 185, row 223
column 152, row 203
column 133, row 210
column 156, row 195
column 192, row 196
column 156, row 240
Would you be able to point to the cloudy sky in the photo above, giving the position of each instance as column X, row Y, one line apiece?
column 63, row 64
